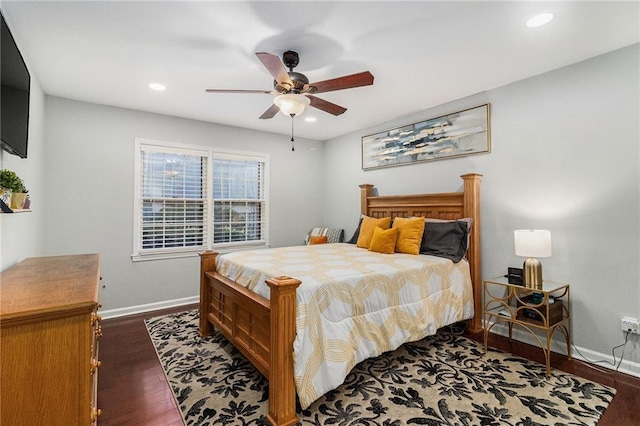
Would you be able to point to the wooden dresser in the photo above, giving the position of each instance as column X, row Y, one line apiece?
column 49, row 331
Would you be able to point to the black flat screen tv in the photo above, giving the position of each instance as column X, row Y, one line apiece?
column 14, row 95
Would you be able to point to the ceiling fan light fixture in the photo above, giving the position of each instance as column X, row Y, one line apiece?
column 292, row 103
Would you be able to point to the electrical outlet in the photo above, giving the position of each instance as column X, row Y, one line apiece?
column 630, row 324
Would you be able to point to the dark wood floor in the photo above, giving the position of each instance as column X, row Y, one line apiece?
column 132, row 389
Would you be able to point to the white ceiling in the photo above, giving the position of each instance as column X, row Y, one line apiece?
column 422, row 54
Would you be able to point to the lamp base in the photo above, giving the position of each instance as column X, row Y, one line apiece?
column 532, row 273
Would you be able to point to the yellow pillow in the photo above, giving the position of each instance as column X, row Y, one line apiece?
column 410, row 232
column 383, row 240
column 367, row 227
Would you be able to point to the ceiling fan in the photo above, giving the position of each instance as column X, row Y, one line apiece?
column 294, row 91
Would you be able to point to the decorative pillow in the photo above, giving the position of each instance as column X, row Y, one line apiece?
column 318, row 239
column 367, row 227
column 467, row 220
column 334, row 235
column 384, row 240
column 356, row 234
column 445, row 239
column 410, row 231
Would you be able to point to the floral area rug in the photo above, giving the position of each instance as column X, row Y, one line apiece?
column 444, row 379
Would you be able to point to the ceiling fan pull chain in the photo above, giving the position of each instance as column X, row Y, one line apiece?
column 292, row 147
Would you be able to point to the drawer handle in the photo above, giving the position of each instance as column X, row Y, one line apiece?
column 95, row 413
column 95, row 318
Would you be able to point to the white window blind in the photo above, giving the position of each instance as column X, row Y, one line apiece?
column 188, row 200
column 238, row 200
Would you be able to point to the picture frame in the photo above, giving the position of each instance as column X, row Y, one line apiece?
column 458, row 134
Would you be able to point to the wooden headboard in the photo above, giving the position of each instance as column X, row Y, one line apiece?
column 449, row 205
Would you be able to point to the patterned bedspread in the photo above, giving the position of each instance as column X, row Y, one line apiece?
column 354, row 304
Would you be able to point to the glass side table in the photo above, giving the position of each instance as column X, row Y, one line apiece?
column 545, row 309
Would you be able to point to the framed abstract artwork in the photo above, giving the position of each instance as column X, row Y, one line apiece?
column 453, row 135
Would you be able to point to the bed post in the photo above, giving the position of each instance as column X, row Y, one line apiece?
column 365, row 191
column 472, row 209
column 207, row 264
column 282, row 387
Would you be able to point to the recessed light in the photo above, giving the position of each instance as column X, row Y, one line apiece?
column 157, row 86
column 310, row 119
column 540, row 20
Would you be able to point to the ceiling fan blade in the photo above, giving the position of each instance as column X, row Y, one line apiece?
column 326, row 106
column 276, row 68
column 270, row 113
column 347, row 82
column 268, row 92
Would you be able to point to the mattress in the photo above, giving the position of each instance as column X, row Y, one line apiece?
column 354, row 304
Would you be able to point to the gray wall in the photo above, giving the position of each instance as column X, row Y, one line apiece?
column 89, row 186
column 564, row 157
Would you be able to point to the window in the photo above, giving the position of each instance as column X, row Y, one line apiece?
column 189, row 199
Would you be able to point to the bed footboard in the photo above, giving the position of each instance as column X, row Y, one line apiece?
column 262, row 329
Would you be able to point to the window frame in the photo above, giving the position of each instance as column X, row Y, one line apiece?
column 141, row 144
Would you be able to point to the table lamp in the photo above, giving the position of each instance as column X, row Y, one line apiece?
column 532, row 243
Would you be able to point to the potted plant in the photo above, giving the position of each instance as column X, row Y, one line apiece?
column 12, row 184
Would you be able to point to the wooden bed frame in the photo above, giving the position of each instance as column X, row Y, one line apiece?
column 264, row 329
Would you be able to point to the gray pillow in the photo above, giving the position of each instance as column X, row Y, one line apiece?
column 356, row 234
column 445, row 239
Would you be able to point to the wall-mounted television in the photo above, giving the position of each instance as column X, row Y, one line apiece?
column 14, row 95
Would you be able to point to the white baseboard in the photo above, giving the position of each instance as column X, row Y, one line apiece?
column 559, row 345
column 132, row 310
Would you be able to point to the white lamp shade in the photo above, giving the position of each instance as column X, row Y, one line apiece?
column 291, row 103
column 532, row 242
